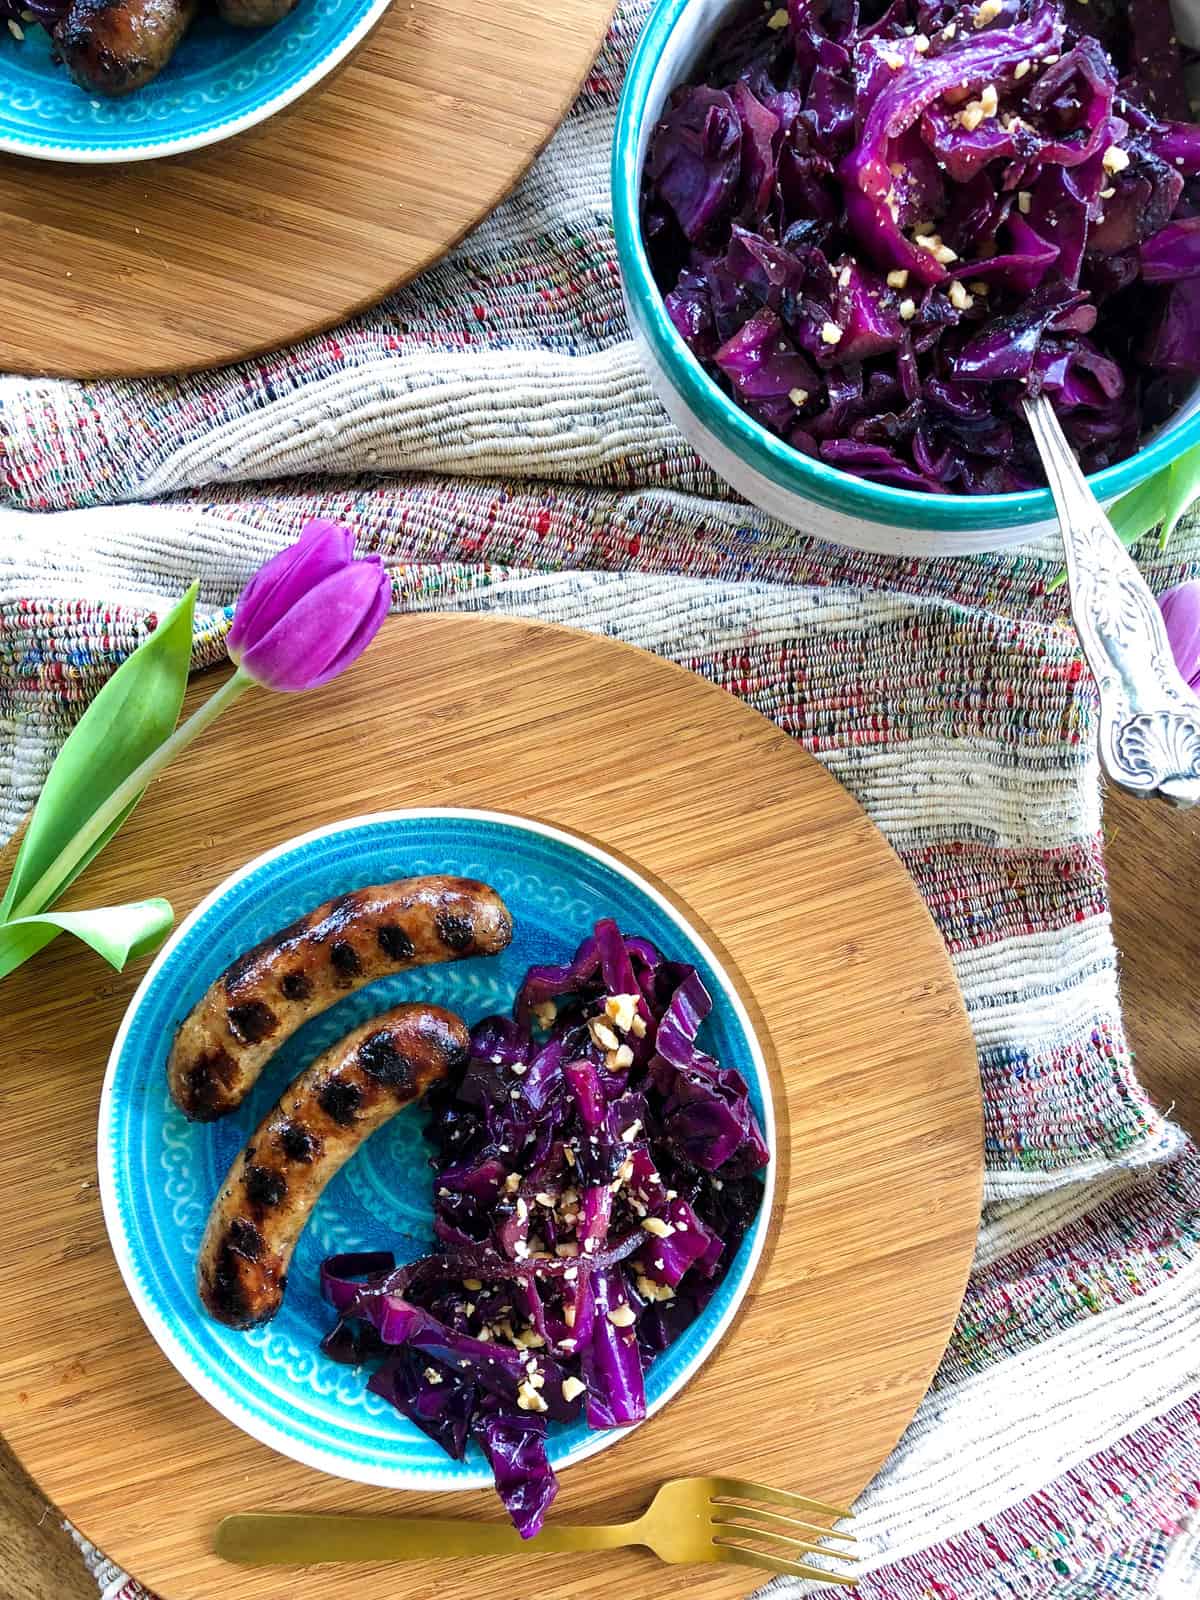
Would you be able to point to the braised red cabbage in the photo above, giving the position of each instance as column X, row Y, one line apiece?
column 878, row 226
column 595, row 1173
column 24, row 12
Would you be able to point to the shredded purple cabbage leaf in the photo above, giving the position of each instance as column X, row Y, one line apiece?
column 595, row 1173
column 26, row 12
column 877, row 226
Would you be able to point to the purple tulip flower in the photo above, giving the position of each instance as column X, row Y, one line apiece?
column 310, row 611
column 302, row 619
column 1181, row 611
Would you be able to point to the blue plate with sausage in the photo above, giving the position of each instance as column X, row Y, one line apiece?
column 131, row 80
column 236, row 1301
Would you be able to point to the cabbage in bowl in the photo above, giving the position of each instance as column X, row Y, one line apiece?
column 878, row 228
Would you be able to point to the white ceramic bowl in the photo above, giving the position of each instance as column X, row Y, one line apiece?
column 807, row 494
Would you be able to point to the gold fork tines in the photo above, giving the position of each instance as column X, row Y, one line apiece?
column 690, row 1520
column 755, row 1526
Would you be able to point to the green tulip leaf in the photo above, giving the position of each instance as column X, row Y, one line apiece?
column 1159, row 503
column 1180, row 492
column 115, row 932
column 1141, row 509
column 131, row 716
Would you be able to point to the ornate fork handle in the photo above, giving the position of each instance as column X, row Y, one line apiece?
column 1149, row 718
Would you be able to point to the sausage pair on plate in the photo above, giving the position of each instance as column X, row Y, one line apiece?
column 112, row 47
column 330, row 1109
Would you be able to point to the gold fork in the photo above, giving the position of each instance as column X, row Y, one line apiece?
column 690, row 1520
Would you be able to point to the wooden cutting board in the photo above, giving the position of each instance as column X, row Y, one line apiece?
column 165, row 266
column 873, row 1066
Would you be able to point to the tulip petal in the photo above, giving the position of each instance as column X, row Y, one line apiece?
column 324, row 630
column 368, row 626
column 1181, row 611
column 322, row 549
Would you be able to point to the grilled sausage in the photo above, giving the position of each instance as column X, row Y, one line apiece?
column 319, row 1122
column 265, row 995
column 254, row 13
column 112, row 47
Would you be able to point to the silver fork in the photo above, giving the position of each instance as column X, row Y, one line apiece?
column 1149, row 718
column 690, row 1520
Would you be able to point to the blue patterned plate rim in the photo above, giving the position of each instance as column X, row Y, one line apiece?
column 54, row 146
column 316, row 1455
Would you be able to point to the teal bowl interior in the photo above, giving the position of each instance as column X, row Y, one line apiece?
column 671, row 46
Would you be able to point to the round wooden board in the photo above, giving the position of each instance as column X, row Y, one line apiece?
column 200, row 259
column 872, row 1061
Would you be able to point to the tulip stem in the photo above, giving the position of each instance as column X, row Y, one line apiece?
column 74, row 855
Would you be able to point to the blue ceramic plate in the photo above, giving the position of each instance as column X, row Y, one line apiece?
column 159, row 1173
column 220, row 81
